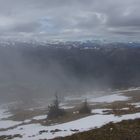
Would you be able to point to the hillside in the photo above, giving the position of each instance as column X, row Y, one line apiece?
column 125, row 130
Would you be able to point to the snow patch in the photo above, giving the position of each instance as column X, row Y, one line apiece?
column 109, row 98
column 8, row 123
column 125, row 108
column 137, row 105
column 4, row 113
column 40, row 117
column 67, row 107
column 99, row 111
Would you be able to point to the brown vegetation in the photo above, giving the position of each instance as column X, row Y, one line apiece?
column 125, row 130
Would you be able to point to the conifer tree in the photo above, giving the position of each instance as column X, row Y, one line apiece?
column 54, row 110
column 85, row 109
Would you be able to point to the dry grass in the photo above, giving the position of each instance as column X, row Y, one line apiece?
column 125, row 130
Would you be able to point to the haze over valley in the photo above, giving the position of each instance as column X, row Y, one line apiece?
column 69, row 69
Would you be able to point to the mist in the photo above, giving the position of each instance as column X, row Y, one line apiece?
column 28, row 73
column 34, row 71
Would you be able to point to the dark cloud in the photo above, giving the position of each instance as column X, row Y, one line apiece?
column 70, row 18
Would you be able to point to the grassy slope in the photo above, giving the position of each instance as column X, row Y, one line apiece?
column 125, row 130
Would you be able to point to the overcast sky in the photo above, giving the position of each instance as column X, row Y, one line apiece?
column 70, row 19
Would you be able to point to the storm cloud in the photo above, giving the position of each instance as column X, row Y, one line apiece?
column 70, row 19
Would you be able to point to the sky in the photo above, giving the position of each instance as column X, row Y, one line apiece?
column 70, row 19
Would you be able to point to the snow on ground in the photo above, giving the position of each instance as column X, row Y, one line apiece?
column 137, row 105
column 72, row 98
column 127, row 90
column 68, row 128
column 85, row 96
column 99, row 111
column 40, row 117
column 125, row 108
column 104, row 111
column 31, row 131
column 6, row 123
column 67, row 107
column 102, row 99
column 4, row 113
column 110, row 98
column 27, row 121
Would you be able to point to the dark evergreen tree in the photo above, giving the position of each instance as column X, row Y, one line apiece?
column 85, row 109
column 54, row 110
